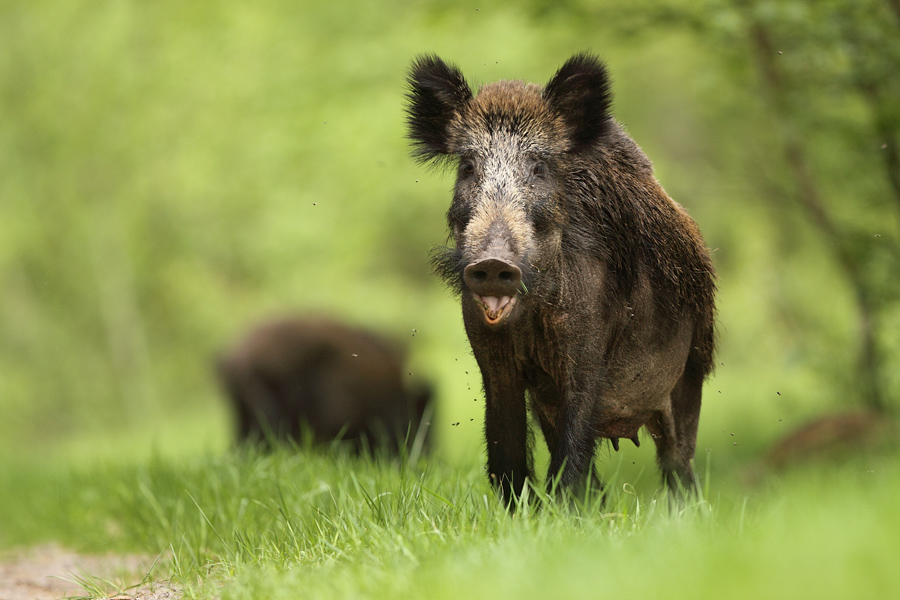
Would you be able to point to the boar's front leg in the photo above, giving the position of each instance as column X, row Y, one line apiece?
column 505, row 427
column 579, row 395
column 548, row 412
column 572, row 450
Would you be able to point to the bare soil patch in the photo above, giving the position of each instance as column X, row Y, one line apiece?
column 50, row 572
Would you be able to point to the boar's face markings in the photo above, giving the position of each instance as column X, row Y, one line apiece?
column 587, row 293
column 505, row 219
column 512, row 142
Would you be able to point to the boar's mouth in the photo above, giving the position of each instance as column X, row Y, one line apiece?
column 495, row 309
column 494, row 283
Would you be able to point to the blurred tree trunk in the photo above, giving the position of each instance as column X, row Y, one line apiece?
column 887, row 131
column 810, row 200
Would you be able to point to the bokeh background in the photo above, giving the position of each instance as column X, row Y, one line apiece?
column 173, row 172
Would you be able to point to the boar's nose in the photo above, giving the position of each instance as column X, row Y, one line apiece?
column 493, row 277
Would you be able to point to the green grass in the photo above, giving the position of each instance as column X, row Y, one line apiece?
column 310, row 523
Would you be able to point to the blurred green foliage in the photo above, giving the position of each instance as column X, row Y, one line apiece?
column 171, row 172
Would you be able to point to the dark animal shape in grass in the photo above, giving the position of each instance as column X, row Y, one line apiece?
column 832, row 436
column 587, row 293
column 292, row 376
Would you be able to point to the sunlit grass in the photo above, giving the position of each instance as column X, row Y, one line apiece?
column 328, row 524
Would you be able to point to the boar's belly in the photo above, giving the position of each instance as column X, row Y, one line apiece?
column 622, row 426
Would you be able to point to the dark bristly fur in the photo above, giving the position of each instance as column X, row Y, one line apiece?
column 580, row 92
column 587, row 293
column 439, row 86
column 295, row 375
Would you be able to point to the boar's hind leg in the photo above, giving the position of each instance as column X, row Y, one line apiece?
column 675, row 433
column 506, row 430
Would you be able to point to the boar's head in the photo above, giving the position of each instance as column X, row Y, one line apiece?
column 514, row 146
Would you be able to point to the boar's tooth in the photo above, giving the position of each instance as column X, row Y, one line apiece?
column 494, row 307
column 636, row 441
column 615, row 443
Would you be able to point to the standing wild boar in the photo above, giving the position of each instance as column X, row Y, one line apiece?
column 582, row 283
column 337, row 381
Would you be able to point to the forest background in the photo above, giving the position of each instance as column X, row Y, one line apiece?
column 173, row 173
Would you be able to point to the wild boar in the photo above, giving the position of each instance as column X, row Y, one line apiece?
column 291, row 375
column 587, row 293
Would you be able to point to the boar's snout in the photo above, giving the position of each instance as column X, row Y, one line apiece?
column 494, row 284
column 493, row 277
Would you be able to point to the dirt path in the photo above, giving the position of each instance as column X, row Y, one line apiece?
column 50, row 572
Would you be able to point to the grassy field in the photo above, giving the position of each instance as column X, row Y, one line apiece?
column 317, row 524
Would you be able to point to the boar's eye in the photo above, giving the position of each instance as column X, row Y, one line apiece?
column 466, row 168
column 539, row 170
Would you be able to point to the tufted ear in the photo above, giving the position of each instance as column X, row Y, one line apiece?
column 580, row 93
column 435, row 93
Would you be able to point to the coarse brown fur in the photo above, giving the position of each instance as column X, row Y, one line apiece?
column 292, row 375
column 584, row 287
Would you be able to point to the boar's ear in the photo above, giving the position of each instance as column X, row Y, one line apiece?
column 580, row 93
column 436, row 91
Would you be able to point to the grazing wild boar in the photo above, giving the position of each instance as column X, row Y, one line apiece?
column 288, row 376
column 584, row 287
